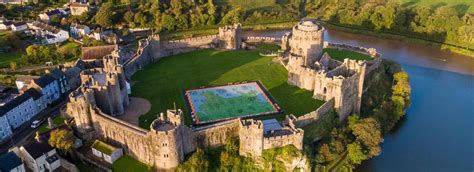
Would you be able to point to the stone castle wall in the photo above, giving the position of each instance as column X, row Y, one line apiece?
column 217, row 134
column 262, row 39
column 295, row 139
column 313, row 116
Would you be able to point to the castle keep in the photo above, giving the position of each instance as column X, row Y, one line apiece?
column 103, row 96
column 310, row 69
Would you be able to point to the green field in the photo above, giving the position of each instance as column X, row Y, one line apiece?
column 461, row 6
column 163, row 83
column 128, row 164
column 6, row 58
column 342, row 54
column 56, row 121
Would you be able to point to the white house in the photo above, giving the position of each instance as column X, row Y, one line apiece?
column 49, row 88
column 79, row 30
column 19, row 110
column 10, row 162
column 48, row 33
column 18, row 26
column 5, row 25
column 106, row 151
column 46, row 16
column 18, row 2
column 40, row 157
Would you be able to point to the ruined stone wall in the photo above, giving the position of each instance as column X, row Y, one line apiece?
column 217, row 134
column 368, row 51
column 262, row 39
column 313, row 116
column 295, row 138
column 162, row 148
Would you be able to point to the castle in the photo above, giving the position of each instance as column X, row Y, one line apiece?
column 103, row 95
column 309, row 69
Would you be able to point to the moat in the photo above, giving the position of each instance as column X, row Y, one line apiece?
column 437, row 132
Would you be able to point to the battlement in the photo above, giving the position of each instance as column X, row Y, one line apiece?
column 170, row 122
column 251, row 124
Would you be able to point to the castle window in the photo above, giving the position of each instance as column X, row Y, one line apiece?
column 325, row 90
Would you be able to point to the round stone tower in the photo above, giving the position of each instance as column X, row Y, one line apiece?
column 79, row 107
column 306, row 40
column 167, row 134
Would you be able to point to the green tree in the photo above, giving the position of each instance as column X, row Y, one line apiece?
column 104, row 16
column 168, row 22
column 232, row 17
column 129, row 18
column 355, row 153
column 368, row 133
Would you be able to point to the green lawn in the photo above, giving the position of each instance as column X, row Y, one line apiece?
column 128, row 164
column 460, row 5
column 6, row 58
column 342, row 54
column 268, row 46
column 56, row 121
column 163, row 83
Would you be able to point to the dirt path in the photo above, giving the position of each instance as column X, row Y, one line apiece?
column 136, row 108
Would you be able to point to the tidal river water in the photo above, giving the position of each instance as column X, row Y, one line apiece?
column 437, row 134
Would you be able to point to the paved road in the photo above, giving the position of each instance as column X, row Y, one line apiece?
column 22, row 134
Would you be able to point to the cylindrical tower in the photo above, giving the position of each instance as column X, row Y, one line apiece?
column 167, row 135
column 307, row 41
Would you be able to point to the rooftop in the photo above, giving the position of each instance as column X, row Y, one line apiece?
column 36, row 149
column 9, row 161
column 44, row 80
column 103, row 147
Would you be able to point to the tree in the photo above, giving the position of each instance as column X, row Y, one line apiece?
column 11, row 39
column 13, row 66
column 62, row 139
column 168, row 22
column 324, row 154
column 104, row 15
column 367, row 132
column 232, row 17
column 355, row 154
column 128, row 17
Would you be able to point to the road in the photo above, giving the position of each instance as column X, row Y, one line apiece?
column 22, row 134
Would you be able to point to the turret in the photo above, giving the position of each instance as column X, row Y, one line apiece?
column 251, row 138
column 167, row 131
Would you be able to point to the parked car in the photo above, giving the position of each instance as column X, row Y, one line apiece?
column 35, row 124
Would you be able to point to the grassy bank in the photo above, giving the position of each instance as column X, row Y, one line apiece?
column 163, row 83
column 398, row 36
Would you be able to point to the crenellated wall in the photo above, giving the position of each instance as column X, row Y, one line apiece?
column 313, row 116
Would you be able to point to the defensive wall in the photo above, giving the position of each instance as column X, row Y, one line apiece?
column 217, row 134
column 303, row 120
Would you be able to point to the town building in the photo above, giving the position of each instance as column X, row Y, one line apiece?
column 17, row 2
column 5, row 25
column 46, row 16
column 78, row 30
column 48, row 34
column 5, row 129
column 40, row 157
column 18, row 26
column 60, row 77
column 48, row 86
column 78, row 8
column 10, row 162
column 19, row 110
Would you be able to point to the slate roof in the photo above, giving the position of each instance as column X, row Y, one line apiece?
column 36, row 149
column 53, row 12
column 44, row 80
column 19, row 23
column 73, row 72
column 271, row 125
column 14, row 103
column 57, row 73
column 33, row 93
column 9, row 161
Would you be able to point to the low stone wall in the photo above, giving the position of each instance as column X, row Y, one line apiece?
column 369, row 51
column 261, row 39
column 308, row 118
column 295, row 139
column 217, row 135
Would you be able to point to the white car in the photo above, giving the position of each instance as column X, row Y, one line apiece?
column 35, row 124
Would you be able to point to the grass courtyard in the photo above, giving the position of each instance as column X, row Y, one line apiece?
column 163, row 83
column 342, row 54
column 126, row 163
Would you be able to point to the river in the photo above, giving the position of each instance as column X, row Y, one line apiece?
column 437, row 133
